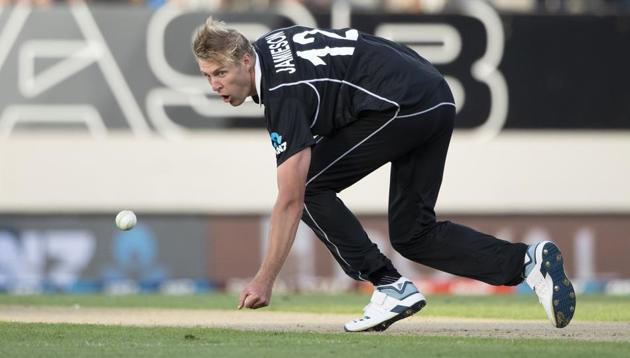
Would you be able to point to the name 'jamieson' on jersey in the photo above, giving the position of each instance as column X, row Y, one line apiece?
column 315, row 81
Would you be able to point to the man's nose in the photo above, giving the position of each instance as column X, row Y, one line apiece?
column 216, row 85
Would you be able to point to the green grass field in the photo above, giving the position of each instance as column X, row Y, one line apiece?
column 32, row 340
column 590, row 307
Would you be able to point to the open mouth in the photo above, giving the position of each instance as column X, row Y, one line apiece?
column 226, row 98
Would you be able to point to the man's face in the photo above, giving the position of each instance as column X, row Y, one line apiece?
column 233, row 81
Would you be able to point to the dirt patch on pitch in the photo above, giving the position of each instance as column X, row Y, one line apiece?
column 310, row 322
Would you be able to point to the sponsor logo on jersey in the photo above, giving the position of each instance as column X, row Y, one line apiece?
column 280, row 52
column 278, row 144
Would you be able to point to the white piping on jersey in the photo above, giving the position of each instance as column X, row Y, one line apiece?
column 338, row 81
column 352, row 85
column 427, row 110
column 308, row 82
column 318, row 102
column 258, row 79
column 330, row 242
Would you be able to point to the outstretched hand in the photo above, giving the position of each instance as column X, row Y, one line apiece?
column 256, row 294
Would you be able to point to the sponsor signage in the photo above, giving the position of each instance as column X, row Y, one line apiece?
column 87, row 252
column 103, row 69
column 184, row 253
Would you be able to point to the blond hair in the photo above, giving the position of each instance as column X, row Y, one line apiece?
column 213, row 41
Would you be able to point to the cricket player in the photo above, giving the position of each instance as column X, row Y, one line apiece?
column 338, row 105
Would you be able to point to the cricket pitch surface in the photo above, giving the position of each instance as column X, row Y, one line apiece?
column 314, row 322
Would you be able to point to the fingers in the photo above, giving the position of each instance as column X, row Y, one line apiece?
column 241, row 300
column 253, row 297
column 260, row 302
column 250, row 300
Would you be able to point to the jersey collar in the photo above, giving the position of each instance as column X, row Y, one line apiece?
column 258, row 75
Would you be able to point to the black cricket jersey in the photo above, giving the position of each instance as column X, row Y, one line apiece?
column 315, row 81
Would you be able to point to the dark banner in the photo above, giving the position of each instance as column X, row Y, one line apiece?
column 103, row 68
column 561, row 72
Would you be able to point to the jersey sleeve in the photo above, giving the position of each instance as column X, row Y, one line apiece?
column 290, row 112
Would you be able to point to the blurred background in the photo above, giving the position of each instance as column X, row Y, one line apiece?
column 102, row 109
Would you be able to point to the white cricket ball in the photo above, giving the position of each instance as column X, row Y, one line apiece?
column 126, row 219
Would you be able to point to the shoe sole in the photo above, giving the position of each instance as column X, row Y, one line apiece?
column 413, row 309
column 563, row 300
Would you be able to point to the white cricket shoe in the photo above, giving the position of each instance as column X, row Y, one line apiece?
column 547, row 278
column 389, row 303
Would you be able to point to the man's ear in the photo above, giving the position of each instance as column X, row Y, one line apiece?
column 248, row 60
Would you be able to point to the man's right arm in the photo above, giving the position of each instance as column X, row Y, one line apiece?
column 285, row 219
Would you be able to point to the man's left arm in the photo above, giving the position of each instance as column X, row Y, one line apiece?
column 285, row 219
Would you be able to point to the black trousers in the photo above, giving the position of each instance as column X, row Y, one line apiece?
column 416, row 146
